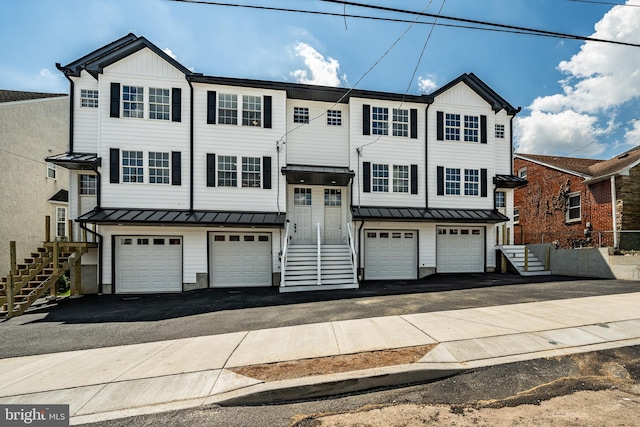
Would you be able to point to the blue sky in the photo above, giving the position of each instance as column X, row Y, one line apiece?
column 578, row 98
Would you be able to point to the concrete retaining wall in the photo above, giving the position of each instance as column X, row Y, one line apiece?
column 590, row 262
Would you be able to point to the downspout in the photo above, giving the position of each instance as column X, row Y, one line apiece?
column 100, row 253
column 71, row 99
column 190, row 146
column 614, row 214
column 426, row 156
column 98, row 188
column 360, row 246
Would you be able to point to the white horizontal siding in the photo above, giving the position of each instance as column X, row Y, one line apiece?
column 387, row 149
column 316, row 143
column 502, row 147
column 85, row 120
column 239, row 141
column 194, row 246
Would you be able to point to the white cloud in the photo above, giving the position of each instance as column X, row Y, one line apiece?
column 601, row 77
column 426, row 84
column 169, row 52
column 319, row 71
column 44, row 80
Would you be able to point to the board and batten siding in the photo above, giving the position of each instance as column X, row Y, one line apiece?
column 145, row 69
column 194, row 246
column 239, row 141
column 460, row 154
column 86, row 120
column 316, row 142
column 390, row 150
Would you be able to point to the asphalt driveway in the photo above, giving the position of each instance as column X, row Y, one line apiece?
column 107, row 320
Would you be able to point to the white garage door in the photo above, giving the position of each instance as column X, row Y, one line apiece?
column 390, row 254
column 240, row 259
column 460, row 250
column 148, row 264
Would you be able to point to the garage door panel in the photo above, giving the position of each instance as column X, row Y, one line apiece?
column 148, row 264
column 460, row 249
column 240, row 259
column 390, row 254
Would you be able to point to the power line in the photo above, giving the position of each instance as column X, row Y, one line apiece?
column 486, row 26
column 605, row 3
column 605, row 135
column 24, row 157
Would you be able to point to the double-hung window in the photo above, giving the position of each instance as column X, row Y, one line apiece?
column 132, row 166
column 516, row 215
column 133, row 101
column 300, row 115
column 380, row 121
column 471, row 182
column 159, row 104
column 61, row 222
column 400, row 122
column 334, row 118
column 452, row 181
column 158, row 168
column 573, row 208
column 251, row 110
column 51, row 170
column 88, row 98
column 228, row 109
column 452, row 127
column 471, row 127
column 380, row 181
column 501, row 199
column 88, row 185
column 400, row 178
column 251, row 172
column 227, row 171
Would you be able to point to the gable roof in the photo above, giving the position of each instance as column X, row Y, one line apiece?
column 18, row 95
column 590, row 169
column 485, row 92
column 95, row 62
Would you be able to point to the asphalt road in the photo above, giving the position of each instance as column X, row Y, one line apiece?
column 110, row 320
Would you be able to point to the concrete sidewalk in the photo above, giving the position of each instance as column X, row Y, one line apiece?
column 116, row 382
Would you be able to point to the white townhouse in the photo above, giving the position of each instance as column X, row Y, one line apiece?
column 189, row 181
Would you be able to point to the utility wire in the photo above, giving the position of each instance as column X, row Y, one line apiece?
column 24, row 157
column 605, row 3
column 605, row 135
column 486, row 26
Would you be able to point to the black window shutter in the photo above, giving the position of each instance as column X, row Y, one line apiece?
column 115, row 99
column 211, row 170
column 440, row 126
column 211, row 107
column 413, row 123
column 366, row 119
column 114, row 165
column 176, row 104
column 266, row 173
column 366, row 177
column 483, row 183
column 483, row 129
column 176, row 168
column 440, row 181
column 414, row 179
column 267, row 112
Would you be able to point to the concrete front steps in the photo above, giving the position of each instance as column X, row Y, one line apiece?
column 516, row 256
column 301, row 270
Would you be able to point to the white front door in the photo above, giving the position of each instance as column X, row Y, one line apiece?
column 332, row 216
column 302, row 226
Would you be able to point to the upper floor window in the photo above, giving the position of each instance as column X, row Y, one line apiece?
column 251, row 172
column 228, row 109
column 471, row 126
column 380, row 121
column 522, row 173
column 334, row 118
column 158, row 168
column 573, row 208
column 159, row 104
column 380, row 182
column 516, row 215
column 500, row 199
column 51, row 171
column 300, row 115
column 88, row 98
column 401, row 178
column 452, row 127
column 133, row 101
column 132, row 166
column 88, row 185
column 251, row 110
column 227, row 171
column 400, row 122
column 500, row 131
column 452, row 181
column 471, row 182
column 61, row 222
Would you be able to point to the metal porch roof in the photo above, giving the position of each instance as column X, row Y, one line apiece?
column 491, row 216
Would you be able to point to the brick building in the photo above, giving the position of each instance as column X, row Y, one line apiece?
column 570, row 200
